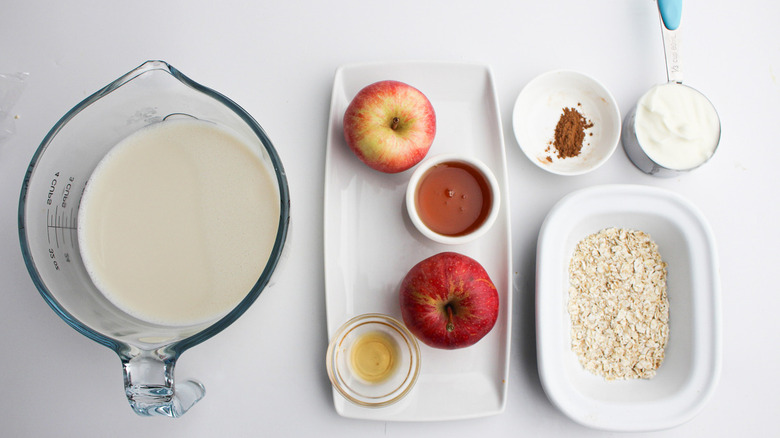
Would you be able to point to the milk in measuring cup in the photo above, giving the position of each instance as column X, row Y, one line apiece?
column 178, row 221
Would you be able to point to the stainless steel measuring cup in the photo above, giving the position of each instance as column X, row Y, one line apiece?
column 670, row 13
column 48, row 212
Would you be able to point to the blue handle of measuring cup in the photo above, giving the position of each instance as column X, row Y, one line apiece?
column 671, row 11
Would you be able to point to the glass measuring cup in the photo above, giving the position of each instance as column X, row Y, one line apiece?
column 48, row 211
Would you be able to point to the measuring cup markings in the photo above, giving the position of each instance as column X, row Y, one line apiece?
column 60, row 226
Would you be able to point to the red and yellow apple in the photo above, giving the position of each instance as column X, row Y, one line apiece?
column 448, row 301
column 390, row 126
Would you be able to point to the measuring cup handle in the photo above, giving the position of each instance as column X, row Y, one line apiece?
column 670, row 12
column 150, row 389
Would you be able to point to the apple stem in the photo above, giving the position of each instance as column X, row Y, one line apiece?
column 450, row 325
column 395, row 123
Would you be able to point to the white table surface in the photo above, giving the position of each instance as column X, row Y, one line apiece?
column 265, row 374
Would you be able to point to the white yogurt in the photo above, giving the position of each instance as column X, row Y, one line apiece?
column 177, row 222
column 677, row 127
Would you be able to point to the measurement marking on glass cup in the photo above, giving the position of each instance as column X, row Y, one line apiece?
column 57, row 224
column 59, row 221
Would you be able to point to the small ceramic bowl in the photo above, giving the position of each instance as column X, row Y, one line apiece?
column 491, row 186
column 405, row 361
column 539, row 107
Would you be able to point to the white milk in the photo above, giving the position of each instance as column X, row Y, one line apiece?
column 177, row 222
column 677, row 126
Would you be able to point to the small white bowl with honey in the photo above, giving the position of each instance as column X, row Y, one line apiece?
column 452, row 199
column 373, row 360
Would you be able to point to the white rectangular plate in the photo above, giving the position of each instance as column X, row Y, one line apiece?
column 688, row 375
column 370, row 243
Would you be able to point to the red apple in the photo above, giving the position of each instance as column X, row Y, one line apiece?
column 448, row 301
column 390, row 126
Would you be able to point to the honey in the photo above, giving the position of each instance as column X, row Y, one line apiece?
column 374, row 357
column 453, row 198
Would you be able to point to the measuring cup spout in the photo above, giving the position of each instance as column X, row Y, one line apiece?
column 150, row 388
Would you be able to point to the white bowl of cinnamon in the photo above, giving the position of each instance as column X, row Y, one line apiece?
column 566, row 122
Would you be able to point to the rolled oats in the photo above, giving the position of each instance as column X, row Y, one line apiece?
column 618, row 305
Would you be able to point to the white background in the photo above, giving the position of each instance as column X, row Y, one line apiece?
column 265, row 374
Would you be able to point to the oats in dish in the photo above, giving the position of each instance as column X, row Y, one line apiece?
column 618, row 304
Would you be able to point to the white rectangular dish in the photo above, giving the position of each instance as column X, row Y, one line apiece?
column 370, row 242
column 689, row 372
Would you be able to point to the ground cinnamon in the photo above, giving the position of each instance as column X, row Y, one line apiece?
column 570, row 133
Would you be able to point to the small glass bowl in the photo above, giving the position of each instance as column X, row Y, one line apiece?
column 411, row 195
column 359, row 391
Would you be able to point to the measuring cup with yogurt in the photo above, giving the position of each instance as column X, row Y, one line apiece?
column 151, row 217
column 673, row 128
